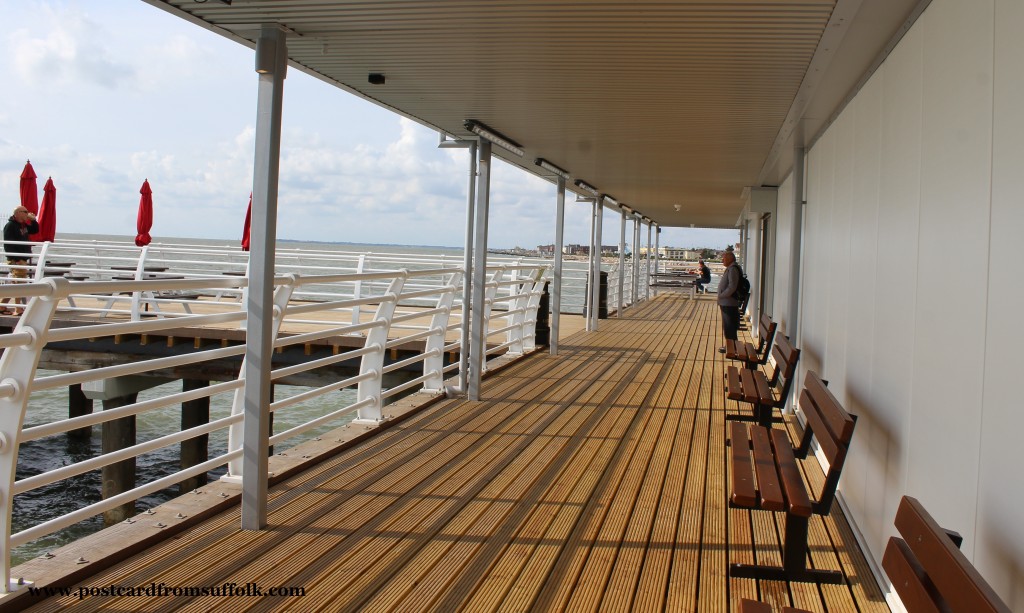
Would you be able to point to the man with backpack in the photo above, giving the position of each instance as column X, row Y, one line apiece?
column 728, row 300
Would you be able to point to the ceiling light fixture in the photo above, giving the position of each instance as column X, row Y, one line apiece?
column 677, row 207
column 548, row 166
column 610, row 200
column 587, row 187
column 497, row 138
column 629, row 210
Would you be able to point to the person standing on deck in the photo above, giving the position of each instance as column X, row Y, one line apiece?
column 727, row 297
column 19, row 226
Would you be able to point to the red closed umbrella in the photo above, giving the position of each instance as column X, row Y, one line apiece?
column 48, row 212
column 145, row 220
column 245, row 227
column 29, row 190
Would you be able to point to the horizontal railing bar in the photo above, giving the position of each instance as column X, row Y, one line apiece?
column 49, row 527
column 92, row 419
column 277, row 438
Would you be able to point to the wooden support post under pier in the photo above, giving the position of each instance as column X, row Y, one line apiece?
column 120, row 476
column 195, row 450
column 79, row 404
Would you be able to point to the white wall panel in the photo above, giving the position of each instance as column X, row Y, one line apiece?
column 838, row 259
column 813, row 321
column 956, row 139
column 1000, row 538
column 783, row 255
column 860, row 294
column 888, row 410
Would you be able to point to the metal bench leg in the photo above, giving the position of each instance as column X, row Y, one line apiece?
column 794, row 560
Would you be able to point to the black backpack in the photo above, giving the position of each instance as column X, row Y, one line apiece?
column 743, row 289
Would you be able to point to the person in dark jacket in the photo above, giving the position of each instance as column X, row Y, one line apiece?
column 705, row 276
column 727, row 297
column 19, row 227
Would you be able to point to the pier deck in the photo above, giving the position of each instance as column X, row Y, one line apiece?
column 594, row 480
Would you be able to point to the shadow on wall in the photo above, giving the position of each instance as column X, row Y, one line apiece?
column 1003, row 566
column 875, row 451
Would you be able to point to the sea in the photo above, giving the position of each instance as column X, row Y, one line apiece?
column 41, row 455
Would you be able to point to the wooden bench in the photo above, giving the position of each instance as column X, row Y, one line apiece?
column 746, row 352
column 928, row 570
column 765, row 476
column 764, row 394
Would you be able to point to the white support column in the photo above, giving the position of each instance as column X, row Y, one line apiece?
column 271, row 64
column 636, row 259
column 657, row 247
column 622, row 261
column 477, row 345
column 796, row 249
column 555, row 305
column 647, row 277
column 595, row 259
column 588, row 300
column 467, row 278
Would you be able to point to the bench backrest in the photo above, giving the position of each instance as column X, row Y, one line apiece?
column 929, row 571
column 831, row 426
column 786, row 357
column 765, row 333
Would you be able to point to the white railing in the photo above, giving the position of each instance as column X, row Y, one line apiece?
column 183, row 288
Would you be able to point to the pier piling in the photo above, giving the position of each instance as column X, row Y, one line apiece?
column 120, row 476
column 79, row 404
column 195, row 450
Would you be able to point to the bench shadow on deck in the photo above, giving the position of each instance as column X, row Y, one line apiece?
column 593, row 480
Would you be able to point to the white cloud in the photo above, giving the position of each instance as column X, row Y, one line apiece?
column 73, row 50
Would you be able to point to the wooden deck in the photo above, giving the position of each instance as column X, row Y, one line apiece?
column 595, row 480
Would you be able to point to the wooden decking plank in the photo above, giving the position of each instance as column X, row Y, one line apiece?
column 516, row 567
column 412, row 552
column 478, row 527
column 713, row 591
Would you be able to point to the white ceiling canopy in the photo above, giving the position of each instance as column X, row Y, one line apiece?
column 670, row 106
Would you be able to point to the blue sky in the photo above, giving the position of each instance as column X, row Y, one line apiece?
column 102, row 95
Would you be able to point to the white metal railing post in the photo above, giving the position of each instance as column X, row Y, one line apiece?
column 17, row 370
column 140, row 274
column 595, row 290
column 373, row 362
column 522, row 287
column 657, row 248
column 236, row 432
column 433, row 363
column 532, row 306
column 357, row 290
column 490, row 293
column 40, row 271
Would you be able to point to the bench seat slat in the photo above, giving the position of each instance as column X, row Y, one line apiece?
column 764, row 389
column 743, row 491
column 748, row 385
column 735, row 388
column 767, row 474
column 732, row 349
column 792, row 483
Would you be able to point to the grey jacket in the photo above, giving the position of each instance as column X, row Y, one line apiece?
column 727, row 286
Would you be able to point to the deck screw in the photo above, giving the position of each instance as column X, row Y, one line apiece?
column 180, row 516
column 160, row 525
column 223, row 494
column 47, row 556
column 81, row 561
column 129, row 521
column 197, row 491
column 150, row 512
column 305, row 457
